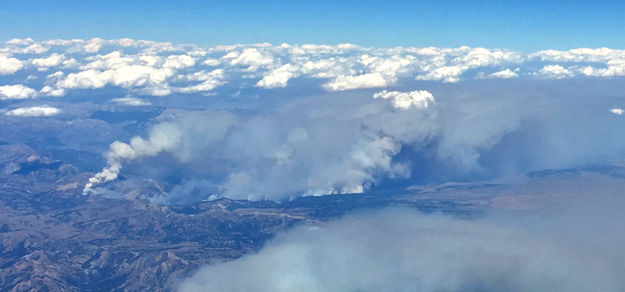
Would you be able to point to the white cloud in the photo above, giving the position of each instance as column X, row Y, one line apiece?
column 50, row 91
column 146, row 67
column 126, row 42
column 93, row 45
column 126, row 77
column 369, row 80
column 87, row 79
column 617, row 111
column 17, row 91
column 20, row 42
column 390, row 66
column 580, row 55
column 34, row 49
column 9, row 65
column 480, row 57
column 327, row 68
column 210, row 80
column 35, row 111
column 130, row 101
column 25, row 46
column 446, row 74
column 149, row 60
column 211, row 62
column 61, row 43
column 278, row 77
column 179, row 62
column 50, row 61
column 113, row 60
column 555, row 71
column 448, row 65
column 250, row 57
column 504, row 74
column 405, row 100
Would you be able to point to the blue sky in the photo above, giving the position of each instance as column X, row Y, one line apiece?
column 519, row 25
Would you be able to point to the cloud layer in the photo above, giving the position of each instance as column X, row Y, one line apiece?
column 17, row 91
column 151, row 68
column 35, row 111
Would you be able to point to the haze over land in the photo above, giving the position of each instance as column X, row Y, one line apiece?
column 521, row 152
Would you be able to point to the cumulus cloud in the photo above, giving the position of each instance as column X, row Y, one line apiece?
column 138, row 72
column 17, row 91
column 22, row 42
column 555, row 71
column 143, row 73
column 448, row 65
column 404, row 100
column 504, row 74
column 445, row 73
column 128, row 76
column 151, row 68
column 90, row 46
column 50, row 61
column 402, row 250
column 130, row 101
column 617, row 111
column 211, row 62
column 179, row 61
column 278, row 77
column 35, row 111
column 51, row 91
column 369, row 80
column 580, row 55
column 250, row 57
column 209, row 81
column 25, row 46
column 9, row 65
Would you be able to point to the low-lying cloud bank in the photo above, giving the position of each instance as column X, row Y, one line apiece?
column 17, row 91
column 35, row 111
column 561, row 248
column 160, row 69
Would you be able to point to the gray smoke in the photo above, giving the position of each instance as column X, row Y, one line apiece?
column 315, row 146
column 350, row 142
column 570, row 241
